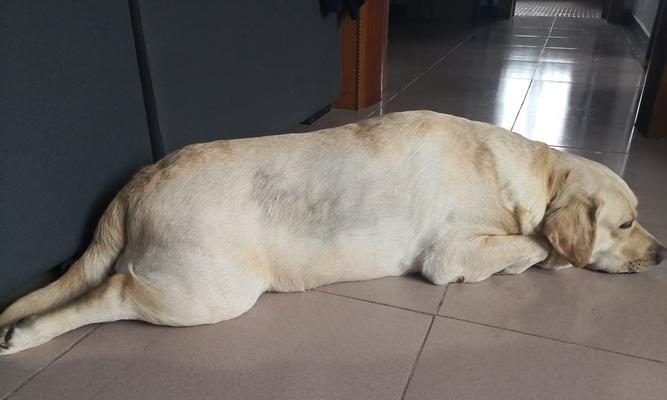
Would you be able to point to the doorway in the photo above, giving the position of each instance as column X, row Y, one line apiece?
column 557, row 8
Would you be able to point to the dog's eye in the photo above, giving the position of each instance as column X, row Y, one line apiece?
column 626, row 225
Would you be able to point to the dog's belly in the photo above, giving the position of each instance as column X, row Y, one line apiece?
column 302, row 264
column 339, row 215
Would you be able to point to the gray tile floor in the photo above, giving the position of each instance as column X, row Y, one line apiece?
column 541, row 335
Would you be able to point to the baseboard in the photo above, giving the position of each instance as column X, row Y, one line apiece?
column 317, row 115
column 637, row 36
column 635, row 21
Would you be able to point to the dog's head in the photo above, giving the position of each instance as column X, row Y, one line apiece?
column 592, row 221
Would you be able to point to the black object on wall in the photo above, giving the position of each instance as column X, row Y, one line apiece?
column 146, row 82
column 72, row 127
column 231, row 69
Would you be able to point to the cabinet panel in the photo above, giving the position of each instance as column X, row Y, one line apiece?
column 72, row 127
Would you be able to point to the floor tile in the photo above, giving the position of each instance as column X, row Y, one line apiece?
column 615, row 161
column 494, row 39
column 605, row 57
column 596, row 46
column 406, row 63
column 660, row 233
column 558, row 129
column 579, row 115
column 569, row 32
column 94, row 363
column 400, row 75
column 477, row 53
column 646, row 173
column 489, row 69
column 289, row 346
column 411, row 292
column 581, row 306
column 594, row 23
column 493, row 101
column 466, row 361
column 415, row 48
column 584, row 100
column 17, row 368
column 599, row 76
column 531, row 22
column 505, row 29
column 587, row 32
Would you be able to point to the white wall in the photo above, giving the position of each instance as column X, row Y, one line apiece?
column 644, row 12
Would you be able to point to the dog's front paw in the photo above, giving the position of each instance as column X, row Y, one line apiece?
column 6, row 334
column 10, row 336
column 514, row 270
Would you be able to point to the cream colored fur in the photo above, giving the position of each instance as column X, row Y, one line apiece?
column 199, row 236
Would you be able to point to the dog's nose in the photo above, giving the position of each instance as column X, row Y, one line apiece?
column 660, row 254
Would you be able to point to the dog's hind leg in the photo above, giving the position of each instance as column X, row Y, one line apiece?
column 86, row 273
column 119, row 297
column 160, row 298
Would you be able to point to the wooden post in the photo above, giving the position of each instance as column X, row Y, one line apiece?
column 363, row 55
column 349, row 32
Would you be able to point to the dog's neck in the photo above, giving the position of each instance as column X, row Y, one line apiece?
column 547, row 173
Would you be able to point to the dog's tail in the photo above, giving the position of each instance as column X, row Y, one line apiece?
column 86, row 273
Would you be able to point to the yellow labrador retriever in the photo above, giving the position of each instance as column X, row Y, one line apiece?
column 199, row 236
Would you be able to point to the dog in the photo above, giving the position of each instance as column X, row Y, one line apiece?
column 197, row 237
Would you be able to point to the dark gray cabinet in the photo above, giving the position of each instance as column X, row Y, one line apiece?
column 72, row 127
column 230, row 69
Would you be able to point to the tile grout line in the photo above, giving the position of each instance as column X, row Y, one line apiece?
column 570, row 82
column 590, row 150
column 532, row 78
column 421, row 348
column 40, row 370
column 419, row 353
column 371, row 302
column 432, row 66
column 555, row 339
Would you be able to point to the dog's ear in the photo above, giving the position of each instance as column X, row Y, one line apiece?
column 571, row 230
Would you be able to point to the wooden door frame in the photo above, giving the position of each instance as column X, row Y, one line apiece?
column 363, row 56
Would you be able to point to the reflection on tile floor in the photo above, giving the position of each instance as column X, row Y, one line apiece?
column 539, row 335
